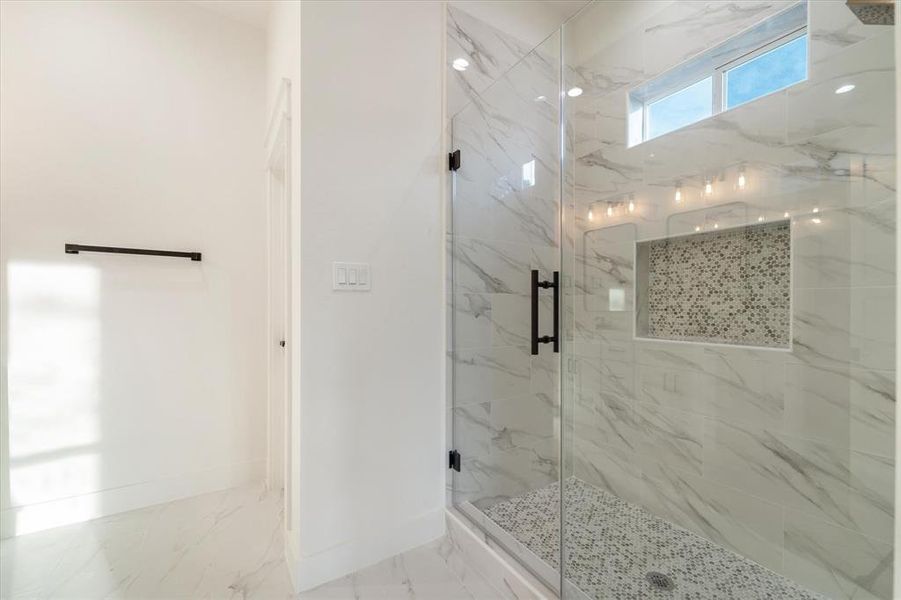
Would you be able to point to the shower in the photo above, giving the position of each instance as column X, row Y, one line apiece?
column 693, row 204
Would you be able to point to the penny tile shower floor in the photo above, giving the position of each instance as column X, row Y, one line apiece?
column 612, row 545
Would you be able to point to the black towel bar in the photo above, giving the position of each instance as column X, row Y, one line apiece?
column 76, row 248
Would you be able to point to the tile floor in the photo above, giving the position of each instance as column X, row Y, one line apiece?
column 222, row 545
column 612, row 545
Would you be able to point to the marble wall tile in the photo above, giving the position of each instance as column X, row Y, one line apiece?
column 669, row 439
column 841, row 486
column 745, row 389
column 486, row 267
column 474, row 558
column 845, row 326
column 506, row 473
column 472, row 326
column 852, row 246
column 489, row 51
column 724, row 515
column 673, row 388
column 472, row 429
column 485, row 374
column 684, row 29
column 609, row 468
column 529, row 423
column 836, row 561
column 843, row 407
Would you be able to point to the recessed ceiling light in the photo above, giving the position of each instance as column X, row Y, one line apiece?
column 574, row 91
column 845, row 88
column 460, row 64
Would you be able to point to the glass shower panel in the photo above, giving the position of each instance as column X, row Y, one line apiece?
column 505, row 225
column 728, row 304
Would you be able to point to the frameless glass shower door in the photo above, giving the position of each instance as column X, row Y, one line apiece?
column 506, row 223
column 729, row 259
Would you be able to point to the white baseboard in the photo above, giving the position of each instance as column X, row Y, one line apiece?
column 308, row 572
column 20, row 520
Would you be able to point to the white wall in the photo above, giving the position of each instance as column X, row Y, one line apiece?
column 371, row 364
column 131, row 380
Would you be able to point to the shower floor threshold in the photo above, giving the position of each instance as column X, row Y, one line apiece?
column 618, row 550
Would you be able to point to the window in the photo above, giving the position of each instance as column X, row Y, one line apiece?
column 766, row 73
column 724, row 77
column 679, row 109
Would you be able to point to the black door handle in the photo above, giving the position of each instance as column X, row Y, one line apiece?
column 546, row 339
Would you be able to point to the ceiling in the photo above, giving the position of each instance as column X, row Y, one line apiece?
column 256, row 12
column 251, row 12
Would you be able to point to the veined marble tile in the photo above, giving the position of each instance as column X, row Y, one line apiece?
column 610, row 468
column 842, row 407
column 747, row 390
column 687, row 28
column 725, row 516
column 477, row 559
column 485, row 374
column 528, row 423
column 220, row 545
column 848, row 488
column 472, row 320
column 427, row 572
column 511, row 320
column 673, row 388
column 506, row 473
column 835, row 561
column 850, row 247
column 485, row 267
column 472, row 429
column 833, row 28
column 669, row 439
column 837, row 327
column 489, row 51
column 545, row 374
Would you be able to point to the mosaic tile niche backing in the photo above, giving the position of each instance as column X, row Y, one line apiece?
column 729, row 287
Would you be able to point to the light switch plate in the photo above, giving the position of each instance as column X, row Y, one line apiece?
column 351, row 277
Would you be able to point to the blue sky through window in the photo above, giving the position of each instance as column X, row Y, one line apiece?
column 681, row 108
column 769, row 72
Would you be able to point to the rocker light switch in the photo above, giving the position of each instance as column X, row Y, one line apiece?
column 350, row 277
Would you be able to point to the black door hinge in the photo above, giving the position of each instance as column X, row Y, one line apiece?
column 454, row 160
column 453, row 460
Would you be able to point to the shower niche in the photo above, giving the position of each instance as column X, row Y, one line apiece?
column 720, row 286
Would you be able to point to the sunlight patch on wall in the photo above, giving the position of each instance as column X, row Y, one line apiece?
column 54, row 372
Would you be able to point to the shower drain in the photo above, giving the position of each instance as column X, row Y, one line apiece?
column 660, row 581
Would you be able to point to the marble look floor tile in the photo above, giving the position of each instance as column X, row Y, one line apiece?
column 226, row 545
column 222, row 545
column 424, row 573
